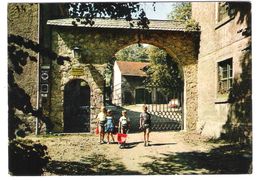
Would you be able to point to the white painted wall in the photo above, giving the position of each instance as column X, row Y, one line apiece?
column 117, row 80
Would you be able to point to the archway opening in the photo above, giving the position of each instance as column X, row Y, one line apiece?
column 76, row 106
column 145, row 74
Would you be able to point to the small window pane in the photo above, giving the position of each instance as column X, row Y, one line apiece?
column 224, row 67
column 225, row 75
column 225, row 84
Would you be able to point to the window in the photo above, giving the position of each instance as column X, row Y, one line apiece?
column 223, row 12
column 225, row 76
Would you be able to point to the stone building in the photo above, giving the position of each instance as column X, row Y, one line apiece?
column 128, row 86
column 212, row 61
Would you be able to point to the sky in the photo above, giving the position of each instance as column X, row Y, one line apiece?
column 161, row 10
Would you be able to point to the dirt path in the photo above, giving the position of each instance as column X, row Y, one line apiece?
column 169, row 153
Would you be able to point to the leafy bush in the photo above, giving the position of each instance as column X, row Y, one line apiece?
column 191, row 24
column 27, row 158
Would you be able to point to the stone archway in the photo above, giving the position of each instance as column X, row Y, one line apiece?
column 164, row 99
column 99, row 44
column 76, row 106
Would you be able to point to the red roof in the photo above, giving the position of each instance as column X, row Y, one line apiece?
column 132, row 68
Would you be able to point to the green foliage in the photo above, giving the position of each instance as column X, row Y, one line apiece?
column 181, row 11
column 133, row 53
column 191, row 24
column 163, row 71
column 127, row 11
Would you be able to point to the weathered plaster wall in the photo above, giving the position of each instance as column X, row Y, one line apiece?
column 100, row 45
column 218, row 42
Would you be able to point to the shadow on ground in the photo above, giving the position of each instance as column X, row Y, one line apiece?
column 230, row 159
column 130, row 145
column 161, row 144
column 92, row 165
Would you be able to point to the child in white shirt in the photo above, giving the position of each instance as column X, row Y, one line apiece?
column 101, row 121
column 124, row 123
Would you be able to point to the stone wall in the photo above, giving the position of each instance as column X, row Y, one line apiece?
column 61, row 75
column 23, row 21
column 190, row 97
column 99, row 45
column 219, row 41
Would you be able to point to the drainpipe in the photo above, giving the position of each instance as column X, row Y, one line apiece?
column 38, row 72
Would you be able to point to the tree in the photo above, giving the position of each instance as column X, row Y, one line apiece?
column 182, row 11
column 90, row 11
column 163, row 72
column 134, row 53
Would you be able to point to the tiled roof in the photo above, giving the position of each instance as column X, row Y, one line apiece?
column 132, row 68
column 163, row 25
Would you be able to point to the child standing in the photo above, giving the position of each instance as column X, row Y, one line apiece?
column 145, row 124
column 109, row 126
column 124, row 122
column 123, row 127
column 101, row 121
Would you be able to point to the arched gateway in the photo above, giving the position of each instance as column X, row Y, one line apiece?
column 97, row 44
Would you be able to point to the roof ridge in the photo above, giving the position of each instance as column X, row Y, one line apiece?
column 155, row 25
column 130, row 61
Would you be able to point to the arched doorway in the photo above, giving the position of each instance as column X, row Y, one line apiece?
column 76, row 106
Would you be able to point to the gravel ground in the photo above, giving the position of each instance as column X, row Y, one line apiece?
column 170, row 153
